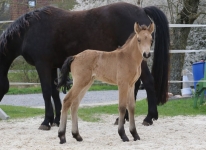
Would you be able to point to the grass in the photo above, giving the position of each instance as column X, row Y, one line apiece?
column 92, row 114
column 37, row 89
column 21, row 112
column 27, row 90
column 171, row 108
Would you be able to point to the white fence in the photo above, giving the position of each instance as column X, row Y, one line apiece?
column 171, row 51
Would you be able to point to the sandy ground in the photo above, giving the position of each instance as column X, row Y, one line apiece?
column 181, row 132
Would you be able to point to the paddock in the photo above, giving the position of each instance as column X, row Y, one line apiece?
column 181, row 132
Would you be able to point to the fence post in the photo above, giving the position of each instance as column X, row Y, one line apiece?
column 3, row 115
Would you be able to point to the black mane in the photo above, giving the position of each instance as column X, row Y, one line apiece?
column 21, row 23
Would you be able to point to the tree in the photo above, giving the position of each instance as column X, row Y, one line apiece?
column 187, row 11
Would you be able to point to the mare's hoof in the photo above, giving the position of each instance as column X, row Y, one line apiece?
column 55, row 125
column 44, row 127
column 147, row 123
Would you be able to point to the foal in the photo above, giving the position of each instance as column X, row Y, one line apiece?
column 121, row 67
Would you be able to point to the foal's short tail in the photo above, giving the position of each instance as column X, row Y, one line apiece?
column 64, row 80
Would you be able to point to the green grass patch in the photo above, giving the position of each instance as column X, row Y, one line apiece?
column 37, row 89
column 21, row 112
column 171, row 108
column 181, row 107
column 102, row 87
column 92, row 114
column 24, row 76
column 25, row 90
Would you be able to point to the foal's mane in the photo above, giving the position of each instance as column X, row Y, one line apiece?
column 143, row 27
column 21, row 23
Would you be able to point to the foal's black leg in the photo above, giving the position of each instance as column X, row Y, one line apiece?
column 148, row 82
column 44, row 72
column 56, row 98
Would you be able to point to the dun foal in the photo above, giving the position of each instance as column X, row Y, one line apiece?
column 121, row 67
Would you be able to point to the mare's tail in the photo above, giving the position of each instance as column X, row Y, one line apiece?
column 160, row 68
column 64, row 80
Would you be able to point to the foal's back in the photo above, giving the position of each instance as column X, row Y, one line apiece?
column 97, row 65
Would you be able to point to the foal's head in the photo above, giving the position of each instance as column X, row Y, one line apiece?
column 144, row 38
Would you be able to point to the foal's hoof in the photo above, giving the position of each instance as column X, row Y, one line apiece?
column 62, row 141
column 147, row 123
column 136, row 137
column 125, row 138
column 62, row 137
column 77, row 137
column 44, row 127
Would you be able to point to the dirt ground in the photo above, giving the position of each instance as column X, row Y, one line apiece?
column 181, row 132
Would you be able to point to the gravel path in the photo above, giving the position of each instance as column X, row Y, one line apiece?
column 91, row 98
column 168, row 133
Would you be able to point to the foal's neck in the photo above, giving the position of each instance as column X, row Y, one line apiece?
column 132, row 48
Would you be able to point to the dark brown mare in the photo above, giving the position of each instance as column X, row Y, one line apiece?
column 47, row 36
column 121, row 67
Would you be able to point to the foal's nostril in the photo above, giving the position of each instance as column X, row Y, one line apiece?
column 149, row 55
column 146, row 55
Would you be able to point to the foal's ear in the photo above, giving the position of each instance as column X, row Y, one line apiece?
column 151, row 27
column 137, row 27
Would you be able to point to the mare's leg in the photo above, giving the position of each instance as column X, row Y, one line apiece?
column 44, row 72
column 136, row 88
column 56, row 98
column 123, row 96
column 148, row 82
column 131, row 110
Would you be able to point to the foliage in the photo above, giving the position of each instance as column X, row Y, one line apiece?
column 29, row 76
column 4, row 10
column 65, row 4
column 22, row 72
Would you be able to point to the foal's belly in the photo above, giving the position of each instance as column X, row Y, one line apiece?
column 105, row 74
column 105, row 79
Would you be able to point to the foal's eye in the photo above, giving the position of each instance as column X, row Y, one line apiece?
column 139, row 40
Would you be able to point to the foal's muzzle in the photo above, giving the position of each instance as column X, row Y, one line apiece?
column 146, row 55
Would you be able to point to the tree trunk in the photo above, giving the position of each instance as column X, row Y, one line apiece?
column 179, row 41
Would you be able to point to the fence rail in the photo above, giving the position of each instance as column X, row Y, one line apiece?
column 8, row 21
column 22, row 83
